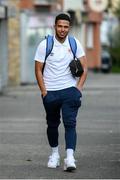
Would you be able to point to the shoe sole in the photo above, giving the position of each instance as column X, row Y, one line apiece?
column 70, row 169
column 53, row 167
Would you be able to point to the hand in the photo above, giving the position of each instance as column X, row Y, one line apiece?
column 79, row 88
column 44, row 93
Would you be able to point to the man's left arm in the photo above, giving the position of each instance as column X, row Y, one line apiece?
column 82, row 79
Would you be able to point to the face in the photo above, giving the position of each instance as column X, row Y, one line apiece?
column 62, row 28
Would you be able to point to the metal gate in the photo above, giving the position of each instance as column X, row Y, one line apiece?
column 3, row 54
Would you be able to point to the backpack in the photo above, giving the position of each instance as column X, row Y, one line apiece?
column 50, row 43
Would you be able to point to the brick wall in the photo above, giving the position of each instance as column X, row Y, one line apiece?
column 14, row 45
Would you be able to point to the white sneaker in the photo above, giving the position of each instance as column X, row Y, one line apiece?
column 54, row 161
column 69, row 164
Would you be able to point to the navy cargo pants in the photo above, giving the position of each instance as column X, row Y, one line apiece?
column 66, row 101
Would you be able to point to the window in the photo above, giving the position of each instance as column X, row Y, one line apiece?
column 89, row 36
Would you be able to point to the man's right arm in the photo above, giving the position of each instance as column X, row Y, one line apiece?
column 39, row 77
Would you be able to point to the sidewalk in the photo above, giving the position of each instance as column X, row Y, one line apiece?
column 99, row 80
column 94, row 81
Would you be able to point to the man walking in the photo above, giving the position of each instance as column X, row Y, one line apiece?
column 61, row 92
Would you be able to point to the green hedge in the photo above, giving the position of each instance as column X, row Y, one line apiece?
column 115, row 69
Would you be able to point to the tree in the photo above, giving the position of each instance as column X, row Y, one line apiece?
column 116, row 11
column 114, row 37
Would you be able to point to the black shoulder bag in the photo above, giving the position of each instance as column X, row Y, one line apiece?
column 76, row 68
column 75, row 65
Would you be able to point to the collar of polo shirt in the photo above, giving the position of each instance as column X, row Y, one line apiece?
column 57, row 43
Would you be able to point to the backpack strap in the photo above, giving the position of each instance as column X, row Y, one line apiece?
column 49, row 47
column 73, row 45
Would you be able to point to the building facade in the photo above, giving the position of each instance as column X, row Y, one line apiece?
column 33, row 20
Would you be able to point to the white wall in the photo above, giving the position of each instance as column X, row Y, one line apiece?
column 73, row 4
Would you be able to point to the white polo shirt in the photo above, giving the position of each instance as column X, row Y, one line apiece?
column 57, row 73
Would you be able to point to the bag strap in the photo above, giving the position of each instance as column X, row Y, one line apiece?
column 73, row 45
column 49, row 47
